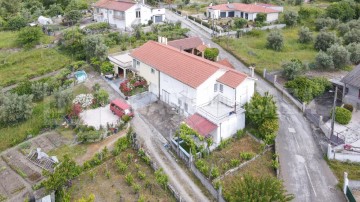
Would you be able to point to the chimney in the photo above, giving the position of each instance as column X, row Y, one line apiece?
column 159, row 39
column 252, row 71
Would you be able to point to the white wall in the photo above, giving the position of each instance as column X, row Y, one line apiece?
column 178, row 90
column 206, row 90
column 151, row 77
column 245, row 91
column 270, row 17
column 107, row 16
column 342, row 156
column 228, row 127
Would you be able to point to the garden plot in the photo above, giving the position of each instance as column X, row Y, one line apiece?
column 10, row 183
column 99, row 117
column 57, row 140
column 22, row 166
column 44, row 143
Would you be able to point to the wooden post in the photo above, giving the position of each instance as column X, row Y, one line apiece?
column 275, row 78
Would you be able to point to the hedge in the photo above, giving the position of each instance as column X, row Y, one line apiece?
column 342, row 116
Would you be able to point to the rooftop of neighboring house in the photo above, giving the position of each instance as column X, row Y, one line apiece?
column 118, row 5
column 201, row 47
column 226, row 62
column 186, row 43
column 249, row 8
column 200, row 124
column 184, row 67
column 353, row 77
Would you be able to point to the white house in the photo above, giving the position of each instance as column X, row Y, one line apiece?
column 246, row 11
column 122, row 13
column 210, row 94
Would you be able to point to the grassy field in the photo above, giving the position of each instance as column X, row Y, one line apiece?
column 108, row 184
column 12, row 135
column 338, row 168
column 18, row 66
column 222, row 158
column 253, row 50
column 8, row 39
column 260, row 167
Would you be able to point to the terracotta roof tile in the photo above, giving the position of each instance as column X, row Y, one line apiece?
column 226, row 62
column 201, row 47
column 200, row 124
column 249, row 8
column 186, row 43
column 114, row 5
column 232, row 78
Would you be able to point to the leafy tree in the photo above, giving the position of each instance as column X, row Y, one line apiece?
column 72, row 17
column 324, row 61
column 9, row 8
column 95, row 47
column 340, row 10
column 29, row 36
column 14, row 107
column 324, row 40
column 343, row 29
column 240, row 22
column 101, row 96
column 354, row 49
column 63, row 174
column 306, row 89
column 63, row 97
column 268, row 129
column 305, row 36
column 298, row 2
column 23, row 88
column 72, row 41
column 76, row 5
column 260, row 17
column 259, row 109
column 39, row 90
column 292, row 68
column 54, row 10
column 353, row 36
column 249, row 188
column 290, row 18
column 309, row 13
column 339, row 54
column 321, row 23
column 16, row 23
column 211, row 53
column 107, row 67
column 275, row 40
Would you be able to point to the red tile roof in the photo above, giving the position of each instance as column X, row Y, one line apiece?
column 226, row 62
column 201, row 47
column 232, row 78
column 186, row 43
column 115, row 5
column 249, row 8
column 200, row 124
column 121, row 104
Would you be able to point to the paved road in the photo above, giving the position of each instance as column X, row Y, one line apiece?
column 154, row 141
column 303, row 169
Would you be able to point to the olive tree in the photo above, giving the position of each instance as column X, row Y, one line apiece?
column 354, row 49
column 29, row 36
column 275, row 40
column 39, row 90
column 324, row 40
column 340, row 56
column 305, row 36
column 290, row 18
column 14, row 107
column 292, row 68
column 353, row 36
column 324, row 61
column 95, row 47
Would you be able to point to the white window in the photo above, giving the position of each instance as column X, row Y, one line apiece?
column 152, row 71
column 137, row 63
column 221, row 88
column 179, row 102
column 186, row 106
column 215, row 87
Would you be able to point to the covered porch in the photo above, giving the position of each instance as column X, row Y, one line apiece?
column 122, row 64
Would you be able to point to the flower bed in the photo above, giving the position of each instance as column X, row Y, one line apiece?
column 133, row 86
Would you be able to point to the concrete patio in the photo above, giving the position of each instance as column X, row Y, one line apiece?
column 351, row 131
column 99, row 117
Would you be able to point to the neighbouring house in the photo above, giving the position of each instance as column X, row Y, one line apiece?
column 226, row 62
column 193, row 45
column 123, row 14
column 352, row 87
column 246, row 11
column 122, row 63
column 210, row 94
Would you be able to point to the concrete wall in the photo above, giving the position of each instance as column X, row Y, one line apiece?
column 341, row 156
column 177, row 91
column 229, row 126
column 352, row 97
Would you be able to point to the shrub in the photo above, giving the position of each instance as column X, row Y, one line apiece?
column 101, row 96
column 255, row 33
column 259, row 109
column 260, row 17
column 340, row 56
column 324, row 61
column 136, row 188
column 246, row 155
column 354, row 50
column 161, row 178
column 343, row 29
column 340, row 10
column 349, row 107
column 275, row 40
column 292, row 68
column 290, row 18
column 353, row 36
column 72, row 17
column 29, row 36
column 342, row 116
column 268, row 127
column 141, row 175
column 129, row 179
column 321, row 23
column 39, row 90
column 234, row 162
column 122, row 167
column 16, row 23
column 305, row 35
column 240, row 134
column 240, row 22
column 325, row 40
column 97, row 27
column 15, row 108
column 211, row 53
column 215, row 172
column 126, row 118
column 150, row 22
column 23, row 88
column 88, row 136
column 306, row 89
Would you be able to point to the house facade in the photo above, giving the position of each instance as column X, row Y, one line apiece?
column 202, row 90
column 246, row 11
column 123, row 14
column 352, row 87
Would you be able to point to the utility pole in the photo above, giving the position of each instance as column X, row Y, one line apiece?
column 333, row 112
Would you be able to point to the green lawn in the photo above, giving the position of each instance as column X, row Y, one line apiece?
column 12, row 135
column 338, row 168
column 18, row 66
column 253, row 50
column 8, row 39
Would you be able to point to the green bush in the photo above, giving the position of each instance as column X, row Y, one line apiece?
column 129, row 179
column 292, row 68
column 126, row 118
column 29, row 36
column 246, row 155
column 240, row 22
column 342, row 116
column 215, row 172
column 240, row 134
column 122, row 167
column 275, row 40
column 234, row 162
column 349, row 107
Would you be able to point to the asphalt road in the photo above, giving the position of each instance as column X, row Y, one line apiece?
column 302, row 167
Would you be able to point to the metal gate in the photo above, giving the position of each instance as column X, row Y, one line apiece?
column 349, row 195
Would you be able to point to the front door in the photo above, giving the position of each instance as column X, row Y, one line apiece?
column 165, row 95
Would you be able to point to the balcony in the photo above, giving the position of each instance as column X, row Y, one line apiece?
column 219, row 109
column 119, row 17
